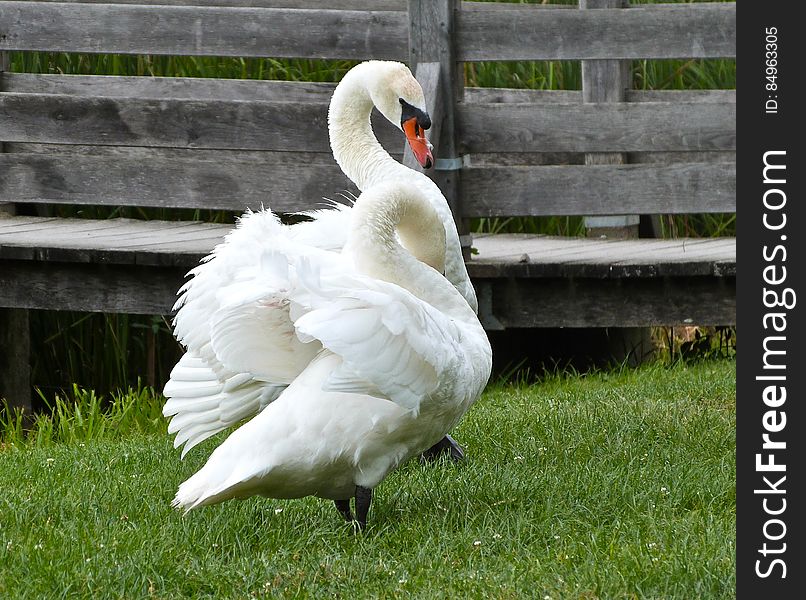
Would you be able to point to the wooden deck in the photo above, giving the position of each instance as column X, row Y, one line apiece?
column 79, row 264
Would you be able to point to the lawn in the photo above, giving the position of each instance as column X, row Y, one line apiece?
column 612, row 485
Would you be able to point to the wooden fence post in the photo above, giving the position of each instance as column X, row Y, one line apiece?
column 607, row 81
column 15, row 335
column 5, row 65
column 431, row 40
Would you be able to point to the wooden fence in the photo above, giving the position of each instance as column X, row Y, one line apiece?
column 606, row 152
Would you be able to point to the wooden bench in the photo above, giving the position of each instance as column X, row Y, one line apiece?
column 231, row 144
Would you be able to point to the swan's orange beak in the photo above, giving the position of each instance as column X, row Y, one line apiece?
column 418, row 142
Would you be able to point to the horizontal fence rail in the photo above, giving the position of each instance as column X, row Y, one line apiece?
column 230, row 182
column 201, row 88
column 302, row 127
column 234, row 182
column 203, row 31
column 495, row 33
column 702, row 30
column 612, row 127
column 598, row 190
column 159, row 88
column 172, row 123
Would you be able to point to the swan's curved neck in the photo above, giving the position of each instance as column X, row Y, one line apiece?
column 397, row 210
column 355, row 147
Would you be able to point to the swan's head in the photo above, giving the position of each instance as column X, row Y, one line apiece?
column 397, row 95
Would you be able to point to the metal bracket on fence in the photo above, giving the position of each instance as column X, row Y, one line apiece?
column 448, row 164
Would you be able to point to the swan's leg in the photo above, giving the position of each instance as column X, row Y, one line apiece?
column 363, row 498
column 343, row 506
column 447, row 446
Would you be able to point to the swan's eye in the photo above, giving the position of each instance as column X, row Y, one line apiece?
column 412, row 112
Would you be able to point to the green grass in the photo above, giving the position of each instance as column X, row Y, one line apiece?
column 613, row 485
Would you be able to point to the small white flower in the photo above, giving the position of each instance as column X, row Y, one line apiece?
column 477, row 543
column 50, row 460
column 88, row 560
column 401, row 581
column 496, row 536
column 277, row 511
column 518, row 458
column 664, row 490
column 38, row 546
column 556, row 537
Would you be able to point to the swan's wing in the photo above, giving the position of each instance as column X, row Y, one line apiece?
column 327, row 228
column 204, row 395
column 202, row 401
column 389, row 339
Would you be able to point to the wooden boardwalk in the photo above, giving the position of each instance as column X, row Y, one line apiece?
column 124, row 265
column 183, row 243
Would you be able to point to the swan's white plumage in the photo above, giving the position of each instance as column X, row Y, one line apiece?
column 269, row 355
column 393, row 371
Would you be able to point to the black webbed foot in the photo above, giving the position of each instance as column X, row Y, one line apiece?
column 343, row 506
column 363, row 498
column 447, row 446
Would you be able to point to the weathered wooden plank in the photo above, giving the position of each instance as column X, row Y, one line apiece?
column 681, row 157
column 596, row 127
column 607, row 81
column 15, row 355
column 523, row 303
column 428, row 75
column 6, row 209
column 511, row 95
column 89, row 287
column 201, row 88
column 702, row 30
column 592, row 190
column 111, row 234
column 111, row 241
column 66, row 119
column 202, row 31
column 233, row 184
column 540, row 249
column 228, row 183
column 160, row 88
column 432, row 40
column 639, row 302
column 146, row 153
column 599, row 190
column 306, row 4
column 398, row 5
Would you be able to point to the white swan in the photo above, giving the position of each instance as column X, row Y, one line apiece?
column 401, row 356
column 204, row 396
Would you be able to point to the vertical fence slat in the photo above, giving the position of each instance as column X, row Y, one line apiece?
column 607, row 81
column 5, row 66
column 15, row 353
column 15, row 334
column 432, row 39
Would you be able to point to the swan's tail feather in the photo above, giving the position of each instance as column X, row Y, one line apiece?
column 212, row 484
